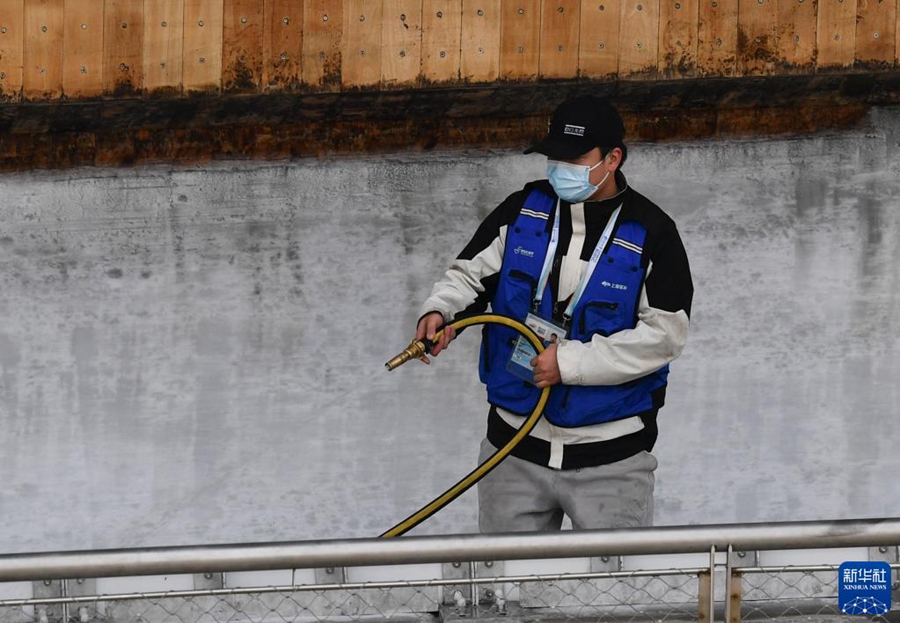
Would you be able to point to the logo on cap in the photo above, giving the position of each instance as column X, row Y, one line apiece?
column 574, row 130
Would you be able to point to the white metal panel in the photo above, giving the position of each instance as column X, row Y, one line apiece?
column 804, row 557
column 247, row 579
column 670, row 561
column 391, row 573
column 144, row 584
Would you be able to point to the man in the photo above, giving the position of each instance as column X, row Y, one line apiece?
column 585, row 256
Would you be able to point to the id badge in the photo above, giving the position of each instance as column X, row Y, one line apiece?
column 520, row 362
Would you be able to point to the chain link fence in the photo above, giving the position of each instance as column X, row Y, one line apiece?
column 799, row 593
column 659, row 587
column 778, row 594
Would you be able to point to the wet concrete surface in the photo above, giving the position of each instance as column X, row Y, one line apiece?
column 195, row 355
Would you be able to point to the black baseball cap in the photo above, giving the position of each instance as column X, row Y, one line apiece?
column 578, row 125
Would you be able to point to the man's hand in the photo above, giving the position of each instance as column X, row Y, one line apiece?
column 546, row 368
column 428, row 328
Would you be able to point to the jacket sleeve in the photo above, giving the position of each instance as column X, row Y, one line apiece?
column 659, row 335
column 469, row 284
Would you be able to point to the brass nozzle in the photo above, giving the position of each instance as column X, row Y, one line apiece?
column 415, row 350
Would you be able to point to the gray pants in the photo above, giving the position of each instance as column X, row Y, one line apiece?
column 519, row 496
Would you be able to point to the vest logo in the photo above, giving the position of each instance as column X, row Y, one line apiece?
column 520, row 250
column 574, row 130
column 614, row 286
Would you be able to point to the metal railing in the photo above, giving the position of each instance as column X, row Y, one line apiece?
column 606, row 575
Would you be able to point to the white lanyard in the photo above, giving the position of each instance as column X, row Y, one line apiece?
column 589, row 271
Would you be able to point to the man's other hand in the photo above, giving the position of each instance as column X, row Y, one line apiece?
column 428, row 328
column 546, row 368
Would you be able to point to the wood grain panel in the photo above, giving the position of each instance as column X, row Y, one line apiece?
column 12, row 44
column 678, row 34
column 401, row 37
column 480, row 40
column 598, row 55
column 362, row 43
column 717, row 37
column 520, row 39
column 836, row 33
column 757, row 47
column 322, row 28
column 203, row 23
column 560, row 30
column 43, row 49
column 639, row 39
column 123, row 47
column 83, row 49
column 242, row 46
column 441, row 28
column 796, row 35
column 163, row 45
column 282, row 44
column 876, row 33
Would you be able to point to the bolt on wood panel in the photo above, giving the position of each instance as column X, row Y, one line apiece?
column 480, row 40
column 560, row 31
column 12, row 44
column 242, row 46
column 520, row 39
column 757, row 32
column 796, row 36
column 441, row 29
column 362, row 43
column 203, row 24
column 123, row 47
column 717, row 37
column 322, row 30
column 163, row 46
column 836, row 33
column 83, row 49
column 678, row 35
column 282, row 44
column 43, row 49
column 401, row 42
column 639, row 39
column 598, row 54
column 876, row 33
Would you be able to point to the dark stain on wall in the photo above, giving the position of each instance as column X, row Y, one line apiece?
column 108, row 132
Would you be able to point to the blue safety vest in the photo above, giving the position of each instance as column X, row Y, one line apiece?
column 609, row 304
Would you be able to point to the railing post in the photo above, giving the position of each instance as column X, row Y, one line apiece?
column 48, row 589
column 455, row 571
column 487, row 594
column 83, row 587
column 733, row 589
column 706, row 596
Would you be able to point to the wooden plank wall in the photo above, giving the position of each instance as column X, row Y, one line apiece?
column 125, row 48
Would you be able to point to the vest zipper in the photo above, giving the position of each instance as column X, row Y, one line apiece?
column 565, row 399
column 486, row 346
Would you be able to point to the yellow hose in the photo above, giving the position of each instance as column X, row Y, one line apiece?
column 482, row 470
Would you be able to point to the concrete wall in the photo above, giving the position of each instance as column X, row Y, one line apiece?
column 194, row 355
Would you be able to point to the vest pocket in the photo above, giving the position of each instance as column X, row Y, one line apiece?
column 521, row 289
column 603, row 317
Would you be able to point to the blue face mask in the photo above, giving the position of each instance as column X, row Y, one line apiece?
column 572, row 182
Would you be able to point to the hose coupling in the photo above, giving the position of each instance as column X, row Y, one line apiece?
column 416, row 350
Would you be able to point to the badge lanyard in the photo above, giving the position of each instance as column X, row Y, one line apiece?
column 589, row 271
